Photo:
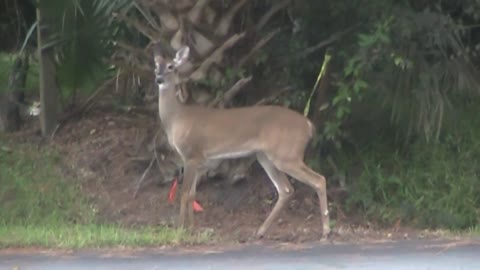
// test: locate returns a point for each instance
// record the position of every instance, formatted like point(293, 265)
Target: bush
point(431, 185)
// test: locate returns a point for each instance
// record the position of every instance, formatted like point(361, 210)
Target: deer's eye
point(170, 67)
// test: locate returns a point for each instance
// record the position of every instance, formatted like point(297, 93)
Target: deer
point(204, 136)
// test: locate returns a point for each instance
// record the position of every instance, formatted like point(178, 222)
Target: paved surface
point(419, 255)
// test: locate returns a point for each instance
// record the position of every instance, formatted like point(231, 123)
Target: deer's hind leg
point(283, 187)
point(300, 171)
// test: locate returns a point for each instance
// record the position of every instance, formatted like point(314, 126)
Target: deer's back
point(241, 131)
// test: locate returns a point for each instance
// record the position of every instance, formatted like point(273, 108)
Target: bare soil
point(106, 151)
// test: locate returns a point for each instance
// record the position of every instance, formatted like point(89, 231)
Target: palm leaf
point(82, 31)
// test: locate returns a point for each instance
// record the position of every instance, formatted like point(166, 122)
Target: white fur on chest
point(175, 136)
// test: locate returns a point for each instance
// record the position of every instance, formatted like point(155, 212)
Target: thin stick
point(328, 56)
point(155, 151)
point(273, 96)
point(140, 181)
point(155, 157)
point(54, 132)
point(273, 10)
point(216, 56)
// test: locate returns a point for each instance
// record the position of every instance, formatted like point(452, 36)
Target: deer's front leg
point(189, 187)
point(187, 180)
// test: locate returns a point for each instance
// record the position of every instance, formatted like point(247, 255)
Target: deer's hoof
point(326, 231)
point(259, 235)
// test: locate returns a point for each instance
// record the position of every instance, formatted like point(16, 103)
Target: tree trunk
point(48, 86)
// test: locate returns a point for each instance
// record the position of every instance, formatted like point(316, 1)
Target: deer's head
point(166, 69)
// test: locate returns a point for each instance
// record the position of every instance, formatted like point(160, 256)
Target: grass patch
point(42, 208)
point(475, 231)
point(34, 190)
point(93, 236)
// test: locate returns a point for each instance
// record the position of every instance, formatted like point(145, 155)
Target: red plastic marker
point(171, 197)
point(197, 207)
point(173, 191)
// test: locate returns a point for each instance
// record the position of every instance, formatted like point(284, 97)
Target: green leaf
point(365, 40)
point(30, 33)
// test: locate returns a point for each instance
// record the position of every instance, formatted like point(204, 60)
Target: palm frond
point(440, 68)
point(82, 34)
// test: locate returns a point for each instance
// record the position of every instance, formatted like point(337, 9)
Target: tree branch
point(262, 42)
point(164, 14)
point(273, 96)
point(226, 21)
point(155, 157)
point(140, 181)
point(230, 93)
point(142, 28)
point(215, 57)
point(274, 9)
point(326, 42)
point(196, 11)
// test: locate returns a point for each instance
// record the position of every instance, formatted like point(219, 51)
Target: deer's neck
point(169, 107)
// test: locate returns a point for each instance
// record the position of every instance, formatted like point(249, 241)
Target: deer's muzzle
point(159, 79)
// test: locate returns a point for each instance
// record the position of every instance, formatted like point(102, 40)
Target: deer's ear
point(182, 56)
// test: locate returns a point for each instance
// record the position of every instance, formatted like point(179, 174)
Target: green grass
point(42, 208)
point(34, 190)
point(93, 236)
point(475, 231)
point(432, 190)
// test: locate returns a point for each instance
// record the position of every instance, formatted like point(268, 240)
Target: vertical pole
point(48, 86)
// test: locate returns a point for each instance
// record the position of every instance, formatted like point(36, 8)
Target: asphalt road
point(421, 255)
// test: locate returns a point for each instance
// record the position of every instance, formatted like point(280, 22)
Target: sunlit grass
point(93, 236)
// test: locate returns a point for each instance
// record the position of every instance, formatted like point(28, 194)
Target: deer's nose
point(159, 80)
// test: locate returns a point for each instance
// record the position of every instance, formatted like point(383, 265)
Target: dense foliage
point(403, 107)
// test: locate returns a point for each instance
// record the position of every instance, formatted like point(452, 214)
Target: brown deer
point(204, 136)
